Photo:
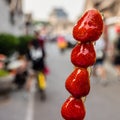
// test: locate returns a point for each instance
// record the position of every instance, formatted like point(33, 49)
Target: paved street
point(102, 103)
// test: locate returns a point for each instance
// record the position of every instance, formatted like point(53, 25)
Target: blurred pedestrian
point(116, 51)
point(99, 69)
point(36, 52)
point(42, 38)
point(36, 55)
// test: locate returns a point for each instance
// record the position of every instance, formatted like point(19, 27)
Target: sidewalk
point(111, 72)
point(111, 76)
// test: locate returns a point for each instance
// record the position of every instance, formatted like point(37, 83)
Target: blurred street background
point(19, 20)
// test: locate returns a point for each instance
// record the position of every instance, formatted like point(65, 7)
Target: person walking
point(116, 52)
point(99, 69)
point(36, 56)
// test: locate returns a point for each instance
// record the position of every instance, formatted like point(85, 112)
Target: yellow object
point(61, 42)
point(62, 45)
point(41, 81)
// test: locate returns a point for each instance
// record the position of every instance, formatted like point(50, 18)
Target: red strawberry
point(78, 83)
point(83, 55)
point(89, 27)
point(73, 109)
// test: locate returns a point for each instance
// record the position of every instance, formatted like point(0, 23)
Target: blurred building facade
point(58, 18)
point(58, 14)
point(12, 19)
point(111, 12)
point(110, 9)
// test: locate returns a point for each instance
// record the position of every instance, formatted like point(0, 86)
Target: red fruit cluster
point(87, 30)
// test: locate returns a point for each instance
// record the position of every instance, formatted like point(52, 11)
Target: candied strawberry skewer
point(83, 55)
point(89, 27)
point(87, 30)
point(78, 83)
point(73, 109)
